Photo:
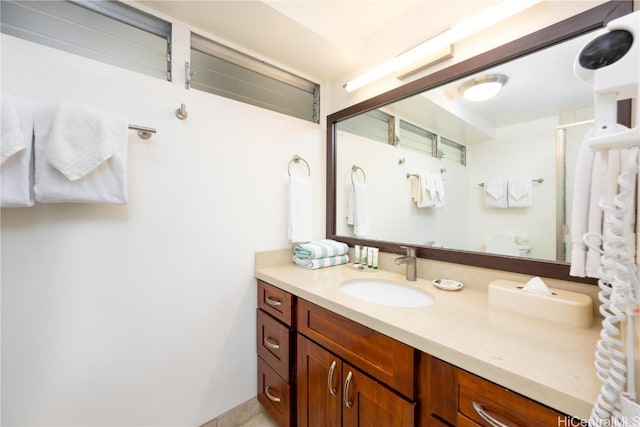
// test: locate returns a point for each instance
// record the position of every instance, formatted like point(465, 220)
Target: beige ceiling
point(324, 39)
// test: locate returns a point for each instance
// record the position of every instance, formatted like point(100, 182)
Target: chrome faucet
point(410, 260)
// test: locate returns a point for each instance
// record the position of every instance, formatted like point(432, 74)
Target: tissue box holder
point(570, 308)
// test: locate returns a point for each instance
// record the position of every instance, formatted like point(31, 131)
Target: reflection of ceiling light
point(483, 87)
point(489, 17)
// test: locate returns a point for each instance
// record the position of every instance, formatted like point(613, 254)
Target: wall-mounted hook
point(401, 160)
point(181, 112)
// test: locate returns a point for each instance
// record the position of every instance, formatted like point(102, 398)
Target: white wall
point(144, 314)
point(393, 214)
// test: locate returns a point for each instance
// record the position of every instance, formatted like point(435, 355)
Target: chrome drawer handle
point(270, 344)
point(347, 384)
point(273, 302)
point(271, 396)
point(485, 416)
point(332, 390)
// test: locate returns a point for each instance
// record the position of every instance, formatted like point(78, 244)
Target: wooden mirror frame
point(577, 25)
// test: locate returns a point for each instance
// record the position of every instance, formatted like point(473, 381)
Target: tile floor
point(260, 420)
point(248, 414)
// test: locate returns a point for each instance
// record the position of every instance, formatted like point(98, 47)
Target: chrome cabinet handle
point(272, 302)
point(485, 416)
point(271, 396)
point(347, 384)
point(267, 341)
point(332, 369)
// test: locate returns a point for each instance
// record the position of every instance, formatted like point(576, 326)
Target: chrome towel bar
point(143, 132)
point(538, 180)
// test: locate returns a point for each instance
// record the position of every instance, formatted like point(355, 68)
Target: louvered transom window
point(374, 125)
point(106, 31)
point(223, 71)
point(417, 138)
point(452, 151)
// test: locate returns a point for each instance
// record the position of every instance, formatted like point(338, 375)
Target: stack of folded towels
point(320, 253)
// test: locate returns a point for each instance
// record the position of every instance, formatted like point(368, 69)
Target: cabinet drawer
point(274, 394)
point(479, 399)
point(384, 358)
point(274, 343)
point(276, 302)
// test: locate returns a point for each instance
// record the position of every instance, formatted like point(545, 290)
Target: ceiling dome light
point(483, 87)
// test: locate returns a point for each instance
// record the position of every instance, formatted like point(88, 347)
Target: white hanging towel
point(495, 194)
point(16, 173)
point(427, 190)
point(587, 184)
point(358, 208)
point(519, 193)
point(81, 155)
point(586, 215)
point(300, 209)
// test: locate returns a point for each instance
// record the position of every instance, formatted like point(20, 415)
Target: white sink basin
point(386, 292)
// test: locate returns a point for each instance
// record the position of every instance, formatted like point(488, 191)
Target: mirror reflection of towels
point(495, 194)
point(520, 193)
point(427, 190)
point(358, 208)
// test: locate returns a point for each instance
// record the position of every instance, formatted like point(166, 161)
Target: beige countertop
point(546, 361)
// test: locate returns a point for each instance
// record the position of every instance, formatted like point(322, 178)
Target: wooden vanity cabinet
point(339, 376)
point(275, 346)
point(318, 368)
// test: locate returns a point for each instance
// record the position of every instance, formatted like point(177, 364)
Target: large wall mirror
point(517, 150)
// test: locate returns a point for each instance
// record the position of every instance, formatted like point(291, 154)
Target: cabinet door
point(369, 404)
point(443, 397)
point(318, 377)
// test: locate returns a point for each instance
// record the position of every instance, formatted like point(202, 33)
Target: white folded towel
point(495, 194)
point(16, 173)
point(13, 139)
point(81, 155)
point(300, 209)
point(519, 193)
point(358, 208)
point(80, 140)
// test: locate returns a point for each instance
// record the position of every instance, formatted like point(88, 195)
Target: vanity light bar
point(484, 20)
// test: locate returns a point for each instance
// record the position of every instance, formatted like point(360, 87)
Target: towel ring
point(355, 169)
point(296, 159)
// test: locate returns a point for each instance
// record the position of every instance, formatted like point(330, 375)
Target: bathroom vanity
point(326, 358)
